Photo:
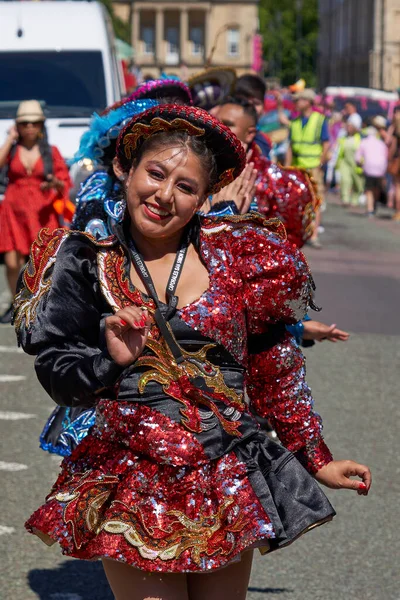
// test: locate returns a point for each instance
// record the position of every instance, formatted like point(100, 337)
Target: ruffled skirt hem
point(110, 502)
point(264, 546)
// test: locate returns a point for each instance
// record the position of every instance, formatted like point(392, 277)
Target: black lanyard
point(172, 284)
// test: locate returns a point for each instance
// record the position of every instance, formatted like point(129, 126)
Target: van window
point(71, 83)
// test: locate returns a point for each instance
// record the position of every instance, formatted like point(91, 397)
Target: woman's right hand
point(126, 334)
point(337, 475)
point(13, 134)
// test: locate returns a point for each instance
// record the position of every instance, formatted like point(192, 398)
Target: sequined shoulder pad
point(254, 253)
point(214, 225)
point(36, 279)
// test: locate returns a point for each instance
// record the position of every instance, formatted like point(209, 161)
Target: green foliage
point(279, 24)
point(122, 29)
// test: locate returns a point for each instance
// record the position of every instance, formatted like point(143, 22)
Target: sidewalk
point(383, 218)
point(357, 270)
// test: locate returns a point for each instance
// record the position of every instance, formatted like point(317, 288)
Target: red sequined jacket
point(288, 194)
point(257, 282)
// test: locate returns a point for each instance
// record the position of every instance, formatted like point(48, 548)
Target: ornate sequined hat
point(227, 149)
point(159, 88)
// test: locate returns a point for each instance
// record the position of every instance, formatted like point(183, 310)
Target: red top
point(26, 208)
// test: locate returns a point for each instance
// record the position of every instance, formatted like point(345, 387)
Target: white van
point(61, 53)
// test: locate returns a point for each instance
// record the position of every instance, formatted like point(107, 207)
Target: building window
point(172, 36)
point(197, 40)
point(233, 42)
point(148, 40)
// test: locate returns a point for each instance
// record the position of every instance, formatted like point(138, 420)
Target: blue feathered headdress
point(104, 129)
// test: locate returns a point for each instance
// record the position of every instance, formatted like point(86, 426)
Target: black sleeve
point(58, 318)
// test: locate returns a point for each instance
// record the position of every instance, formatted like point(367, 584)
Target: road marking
point(5, 299)
point(11, 349)
point(4, 529)
point(61, 596)
point(10, 466)
point(9, 378)
point(7, 415)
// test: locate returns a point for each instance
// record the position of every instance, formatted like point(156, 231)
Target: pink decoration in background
point(257, 53)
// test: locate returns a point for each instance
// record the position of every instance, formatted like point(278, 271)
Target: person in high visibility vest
point(351, 174)
point(309, 145)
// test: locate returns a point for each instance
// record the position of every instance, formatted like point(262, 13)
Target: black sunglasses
point(26, 123)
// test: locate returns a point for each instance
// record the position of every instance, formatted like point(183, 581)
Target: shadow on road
point(72, 580)
point(268, 590)
point(83, 580)
point(387, 217)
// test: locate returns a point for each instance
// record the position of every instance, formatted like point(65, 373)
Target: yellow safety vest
point(306, 141)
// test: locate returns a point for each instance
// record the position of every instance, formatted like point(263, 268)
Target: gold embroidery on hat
point(157, 124)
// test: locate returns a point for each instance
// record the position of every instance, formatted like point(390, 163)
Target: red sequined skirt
point(140, 489)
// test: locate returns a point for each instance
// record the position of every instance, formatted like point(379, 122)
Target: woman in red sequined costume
point(284, 193)
point(176, 478)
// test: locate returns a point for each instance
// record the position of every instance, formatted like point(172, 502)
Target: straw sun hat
point(31, 111)
point(306, 94)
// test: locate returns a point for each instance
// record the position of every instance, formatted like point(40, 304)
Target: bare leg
point(397, 198)
point(370, 201)
point(377, 193)
point(318, 177)
point(14, 262)
point(128, 583)
point(231, 582)
point(317, 224)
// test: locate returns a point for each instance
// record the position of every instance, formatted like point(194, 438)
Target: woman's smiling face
point(164, 190)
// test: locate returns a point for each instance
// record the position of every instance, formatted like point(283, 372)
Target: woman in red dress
point(37, 174)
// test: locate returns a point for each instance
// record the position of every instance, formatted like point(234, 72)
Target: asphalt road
point(356, 389)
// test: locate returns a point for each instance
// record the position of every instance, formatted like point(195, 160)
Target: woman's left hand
point(336, 475)
point(241, 191)
point(52, 183)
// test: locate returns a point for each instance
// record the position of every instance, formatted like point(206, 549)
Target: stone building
point(178, 36)
point(359, 43)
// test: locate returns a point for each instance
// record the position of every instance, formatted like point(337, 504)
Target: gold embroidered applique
point(179, 381)
point(36, 278)
point(200, 412)
point(183, 533)
point(83, 502)
point(35, 284)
